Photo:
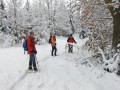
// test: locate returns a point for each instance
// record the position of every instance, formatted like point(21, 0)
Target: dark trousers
point(70, 48)
point(32, 60)
point(82, 36)
point(54, 50)
point(118, 49)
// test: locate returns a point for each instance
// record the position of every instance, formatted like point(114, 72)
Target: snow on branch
point(111, 64)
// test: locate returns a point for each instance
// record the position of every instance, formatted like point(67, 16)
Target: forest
point(100, 19)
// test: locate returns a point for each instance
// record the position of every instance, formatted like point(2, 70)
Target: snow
point(56, 73)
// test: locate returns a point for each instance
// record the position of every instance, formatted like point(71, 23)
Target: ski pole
point(37, 63)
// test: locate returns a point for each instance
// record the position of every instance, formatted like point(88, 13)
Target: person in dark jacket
point(82, 34)
point(31, 51)
point(70, 41)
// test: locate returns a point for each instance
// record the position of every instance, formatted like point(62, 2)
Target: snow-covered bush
point(111, 64)
point(1, 37)
point(40, 39)
point(9, 41)
point(98, 59)
point(93, 56)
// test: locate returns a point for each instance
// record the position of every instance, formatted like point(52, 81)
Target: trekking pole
point(66, 47)
point(37, 63)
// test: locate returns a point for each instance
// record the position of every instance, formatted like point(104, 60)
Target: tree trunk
point(116, 23)
point(116, 30)
point(72, 26)
point(71, 18)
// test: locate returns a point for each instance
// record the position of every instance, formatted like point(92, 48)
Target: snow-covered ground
point(56, 73)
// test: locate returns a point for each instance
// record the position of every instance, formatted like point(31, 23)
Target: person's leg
point(34, 61)
point(55, 51)
point(69, 48)
point(30, 62)
point(83, 36)
point(52, 50)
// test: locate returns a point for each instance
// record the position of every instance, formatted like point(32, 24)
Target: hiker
point(53, 44)
point(31, 51)
point(24, 42)
point(82, 34)
point(70, 40)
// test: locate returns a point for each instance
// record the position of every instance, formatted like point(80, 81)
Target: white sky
point(30, 0)
point(24, 0)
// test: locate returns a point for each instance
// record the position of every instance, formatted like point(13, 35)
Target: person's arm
point(34, 44)
point(68, 40)
point(74, 40)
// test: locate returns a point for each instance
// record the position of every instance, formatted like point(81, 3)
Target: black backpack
point(50, 39)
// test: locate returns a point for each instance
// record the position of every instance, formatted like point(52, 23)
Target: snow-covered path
point(56, 73)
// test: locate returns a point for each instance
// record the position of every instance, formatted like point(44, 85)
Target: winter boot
point(35, 69)
point(30, 68)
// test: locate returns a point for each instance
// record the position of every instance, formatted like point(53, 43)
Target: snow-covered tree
point(3, 18)
point(27, 15)
point(13, 12)
point(52, 16)
point(62, 23)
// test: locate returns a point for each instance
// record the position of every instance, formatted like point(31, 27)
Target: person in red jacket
point(70, 40)
point(31, 51)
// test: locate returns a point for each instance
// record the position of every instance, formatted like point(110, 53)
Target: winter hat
point(70, 34)
point(31, 33)
point(53, 35)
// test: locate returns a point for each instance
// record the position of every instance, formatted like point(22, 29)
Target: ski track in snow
point(56, 73)
point(18, 81)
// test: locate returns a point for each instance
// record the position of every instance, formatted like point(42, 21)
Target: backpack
point(25, 45)
point(50, 39)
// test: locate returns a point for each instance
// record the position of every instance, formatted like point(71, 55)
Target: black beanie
point(31, 33)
